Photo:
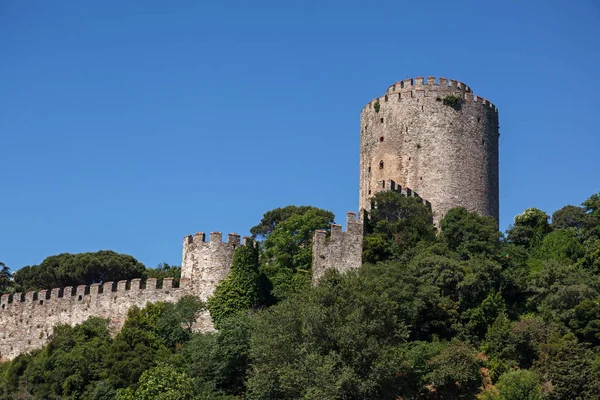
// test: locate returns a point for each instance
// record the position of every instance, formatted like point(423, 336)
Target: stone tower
point(206, 263)
point(435, 138)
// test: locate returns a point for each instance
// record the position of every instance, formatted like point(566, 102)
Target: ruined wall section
point(27, 320)
point(341, 251)
point(446, 153)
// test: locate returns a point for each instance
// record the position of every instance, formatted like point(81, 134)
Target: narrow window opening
point(383, 184)
point(409, 158)
point(399, 97)
point(381, 139)
point(381, 164)
point(478, 119)
point(369, 191)
point(41, 302)
point(421, 108)
point(381, 120)
point(421, 178)
point(369, 169)
point(80, 298)
point(407, 129)
point(482, 142)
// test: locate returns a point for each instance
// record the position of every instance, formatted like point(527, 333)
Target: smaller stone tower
point(343, 251)
point(205, 264)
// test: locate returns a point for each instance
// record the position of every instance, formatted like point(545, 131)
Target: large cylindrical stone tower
point(436, 138)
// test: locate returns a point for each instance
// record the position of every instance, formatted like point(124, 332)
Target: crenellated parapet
point(390, 185)
point(341, 250)
point(431, 87)
point(73, 294)
point(28, 319)
point(206, 263)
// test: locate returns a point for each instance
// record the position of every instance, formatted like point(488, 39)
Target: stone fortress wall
point(341, 251)
point(448, 154)
point(27, 320)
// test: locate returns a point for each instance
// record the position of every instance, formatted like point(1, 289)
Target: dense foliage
point(81, 269)
point(287, 256)
point(78, 269)
point(462, 314)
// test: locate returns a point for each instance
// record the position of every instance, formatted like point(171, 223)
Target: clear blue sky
point(127, 125)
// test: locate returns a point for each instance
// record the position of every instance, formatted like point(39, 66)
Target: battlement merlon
point(353, 225)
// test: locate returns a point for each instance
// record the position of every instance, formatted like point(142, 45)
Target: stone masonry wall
point(343, 251)
point(449, 155)
point(205, 264)
point(27, 320)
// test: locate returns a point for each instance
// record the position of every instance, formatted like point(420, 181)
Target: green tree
point(520, 384)
point(67, 368)
point(160, 383)
point(6, 282)
point(586, 321)
point(135, 347)
point(218, 361)
point(395, 223)
point(274, 217)
point(456, 372)
point(561, 245)
point(287, 257)
point(334, 341)
point(79, 269)
point(592, 205)
point(569, 217)
point(516, 344)
point(164, 270)
point(245, 288)
point(469, 233)
point(557, 288)
point(176, 321)
point(570, 368)
point(529, 228)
